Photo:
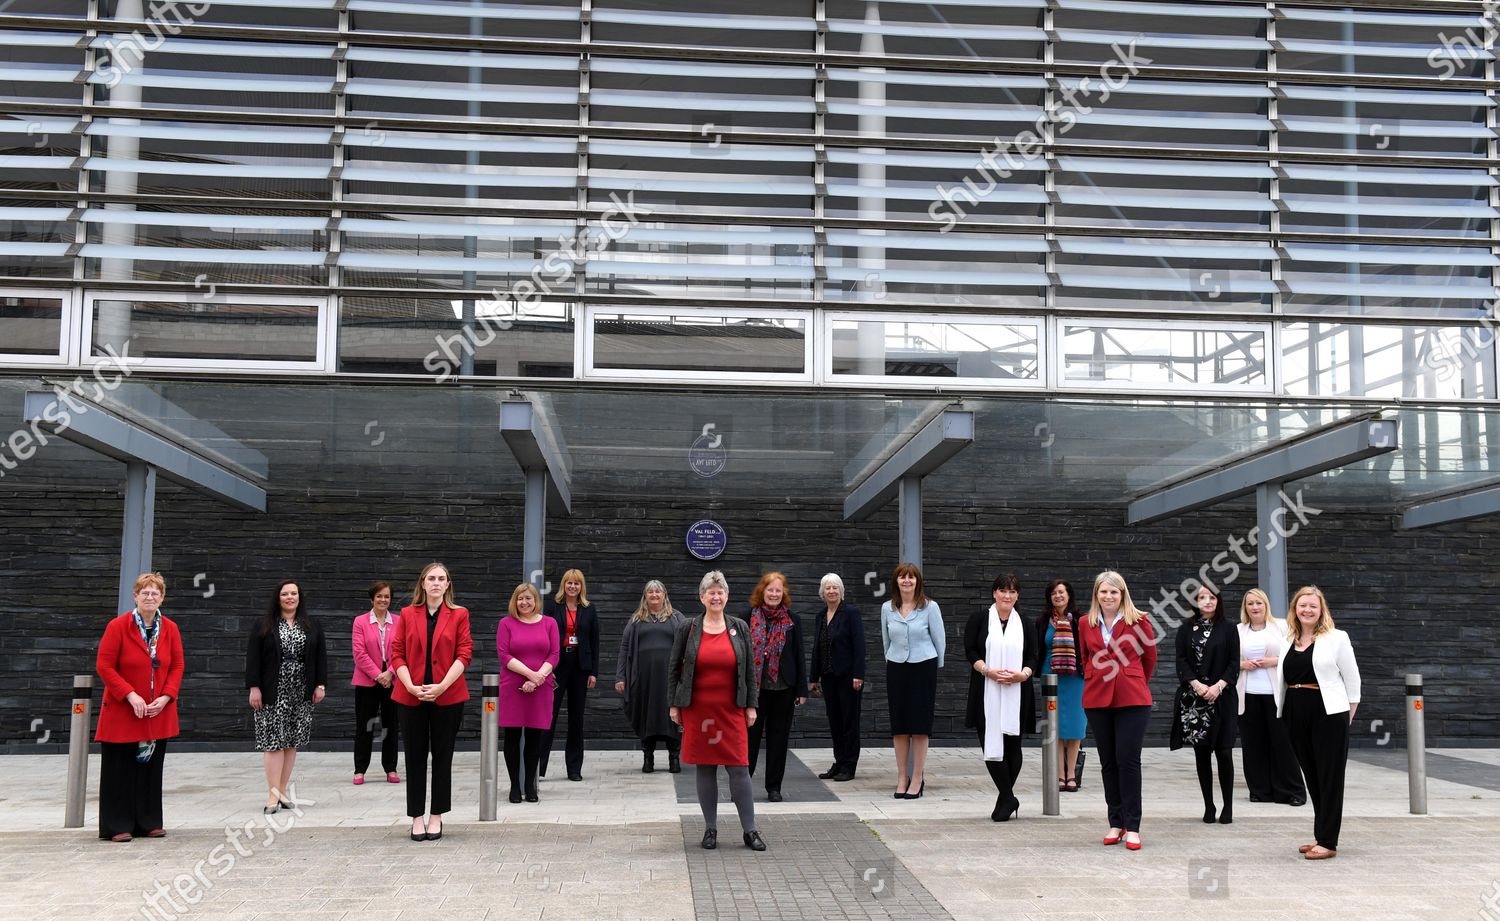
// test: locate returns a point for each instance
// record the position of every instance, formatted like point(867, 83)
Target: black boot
point(674, 762)
point(649, 764)
point(531, 796)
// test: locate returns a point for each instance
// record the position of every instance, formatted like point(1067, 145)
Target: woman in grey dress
point(641, 674)
point(286, 670)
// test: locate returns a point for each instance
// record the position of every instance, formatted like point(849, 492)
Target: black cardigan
point(848, 639)
point(1221, 662)
point(976, 631)
point(588, 633)
point(263, 661)
point(793, 663)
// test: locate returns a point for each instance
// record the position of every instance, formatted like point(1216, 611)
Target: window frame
point(828, 377)
point(591, 312)
point(67, 354)
point(1061, 384)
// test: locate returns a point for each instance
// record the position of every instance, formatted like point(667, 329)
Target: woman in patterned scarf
point(776, 647)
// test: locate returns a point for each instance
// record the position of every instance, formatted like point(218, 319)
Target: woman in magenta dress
point(527, 644)
point(713, 689)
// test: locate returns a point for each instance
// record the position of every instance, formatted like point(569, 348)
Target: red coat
point(124, 665)
point(451, 642)
point(1117, 674)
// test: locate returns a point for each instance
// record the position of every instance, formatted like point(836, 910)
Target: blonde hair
point(150, 578)
point(1257, 593)
point(583, 587)
point(525, 588)
point(643, 610)
point(419, 595)
point(1132, 614)
point(1325, 616)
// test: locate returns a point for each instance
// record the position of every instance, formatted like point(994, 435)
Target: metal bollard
point(489, 748)
point(78, 750)
point(1416, 746)
point(1051, 804)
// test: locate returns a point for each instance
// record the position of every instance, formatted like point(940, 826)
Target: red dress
point(713, 728)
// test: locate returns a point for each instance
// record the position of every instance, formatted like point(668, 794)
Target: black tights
point(514, 757)
point(1205, 757)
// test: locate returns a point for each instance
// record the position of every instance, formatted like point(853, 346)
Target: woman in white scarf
point(1004, 653)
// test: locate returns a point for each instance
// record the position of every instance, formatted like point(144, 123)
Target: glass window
point(667, 343)
point(693, 260)
point(709, 98)
point(40, 67)
point(707, 177)
point(555, 19)
point(212, 331)
point(298, 14)
point(948, 189)
point(1164, 274)
point(204, 161)
point(1164, 194)
point(432, 169)
point(1407, 362)
point(1217, 36)
point(463, 86)
point(939, 268)
point(403, 250)
point(1159, 357)
point(773, 24)
point(970, 350)
point(428, 336)
point(31, 324)
point(181, 73)
point(877, 103)
point(34, 239)
point(1000, 29)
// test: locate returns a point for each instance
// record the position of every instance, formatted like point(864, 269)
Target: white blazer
point(1336, 671)
point(1275, 634)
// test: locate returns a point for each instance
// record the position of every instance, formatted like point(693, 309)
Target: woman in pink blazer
point(374, 676)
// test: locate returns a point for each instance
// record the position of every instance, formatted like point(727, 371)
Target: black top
point(793, 666)
point(432, 619)
point(263, 661)
point(1299, 666)
point(586, 629)
point(976, 633)
point(1207, 651)
point(838, 646)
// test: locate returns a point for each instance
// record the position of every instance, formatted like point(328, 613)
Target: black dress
point(1207, 651)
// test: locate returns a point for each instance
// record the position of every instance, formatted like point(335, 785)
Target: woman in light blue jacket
point(911, 630)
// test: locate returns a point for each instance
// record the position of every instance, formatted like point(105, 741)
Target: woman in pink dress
point(528, 647)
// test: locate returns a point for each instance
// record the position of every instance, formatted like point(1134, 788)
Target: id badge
point(573, 640)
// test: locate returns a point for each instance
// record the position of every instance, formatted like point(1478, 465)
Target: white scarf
point(1004, 645)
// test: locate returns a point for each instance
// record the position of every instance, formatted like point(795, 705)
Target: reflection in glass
point(30, 325)
point(222, 328)
point(1160, 357)
point(930, 347)
point(698, 343)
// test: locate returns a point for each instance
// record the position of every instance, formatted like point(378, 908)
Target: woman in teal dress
point(1058, 629)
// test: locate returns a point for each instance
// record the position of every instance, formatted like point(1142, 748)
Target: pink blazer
point(367, 651)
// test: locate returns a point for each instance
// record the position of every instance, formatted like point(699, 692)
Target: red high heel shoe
point(1113, 838)
point(1133, 845)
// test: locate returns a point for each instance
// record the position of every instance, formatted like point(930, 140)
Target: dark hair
point(919, 592)
point(377, 588)
point(1006, 581)
point(1071, 609)
point(1218, 604)
point(273, 610)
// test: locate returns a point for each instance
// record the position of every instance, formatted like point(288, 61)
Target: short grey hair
point(831, 579)
point(710, 579)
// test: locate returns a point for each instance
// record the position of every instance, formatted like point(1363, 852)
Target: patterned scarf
point(768, 631)
point(1064, 659)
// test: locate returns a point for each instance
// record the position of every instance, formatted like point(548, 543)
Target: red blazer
point(450, 642)
point(1117, 674)
point(124, 665)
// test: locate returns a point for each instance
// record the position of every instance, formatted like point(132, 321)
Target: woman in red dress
point(713, 689)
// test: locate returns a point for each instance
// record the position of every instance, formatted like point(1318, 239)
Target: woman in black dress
point(641, 674)
point(1208, 667)
point(286, 670)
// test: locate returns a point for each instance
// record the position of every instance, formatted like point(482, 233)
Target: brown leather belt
point(1310, 686)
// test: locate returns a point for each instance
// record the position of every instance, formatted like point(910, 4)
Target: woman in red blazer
point(1117, 654)
point(140, 663)
point(430, 652)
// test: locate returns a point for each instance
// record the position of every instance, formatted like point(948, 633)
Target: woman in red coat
point(432, 648)
point(140, 663)
point(1117, 652)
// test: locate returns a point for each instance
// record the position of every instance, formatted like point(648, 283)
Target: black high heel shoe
point(1006, 812)
point(1210, 815)
point(422, 836)
point(920, 787)
point(515, 794)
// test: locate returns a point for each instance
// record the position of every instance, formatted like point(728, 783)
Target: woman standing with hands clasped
point(712, 683)
point(1270, 764)
point(781, 671)
point(1003, 653)
point(1317, 692)
point(641, 675)
point(911, 630)
point(140, 663)
point(1208, 668)
point(432, 648)
point(528, 647)
point(286, 670)
point(1058, 629)
point(838, 672)
point(373, 680)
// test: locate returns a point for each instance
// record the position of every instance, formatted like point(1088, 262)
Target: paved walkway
point(622, 845)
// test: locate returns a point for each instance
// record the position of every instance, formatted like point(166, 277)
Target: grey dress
point(645, 648)
point(288, 722)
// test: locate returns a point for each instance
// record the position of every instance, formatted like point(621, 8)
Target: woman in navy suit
point(837, 672)
point(578, 670)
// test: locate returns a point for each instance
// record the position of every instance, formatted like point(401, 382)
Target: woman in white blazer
point(1270, 764)
point(1317, 692)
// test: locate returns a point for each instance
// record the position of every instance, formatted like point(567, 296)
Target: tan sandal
point(1320, 853)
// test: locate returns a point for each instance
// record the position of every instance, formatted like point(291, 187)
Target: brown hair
point(758, 594)
point(379, 587)
point(919, 593)
point(419, 597)
point(150, 578)
point(525, 588)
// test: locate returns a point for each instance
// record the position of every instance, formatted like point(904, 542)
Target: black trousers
point(368, 704)
point(519, 756)
point(773, 719)
point(1004, 773)
point(572, 684)
point(843, 705)
point(129, 792)
point(1321, 741)
point(1119, 733)
point(1270, 764)
point(430, 728)
point(672, 744)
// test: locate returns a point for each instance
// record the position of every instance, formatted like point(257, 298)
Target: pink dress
point(533, 644)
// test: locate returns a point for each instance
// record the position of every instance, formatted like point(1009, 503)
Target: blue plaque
point(706, 455)
point(706, 539)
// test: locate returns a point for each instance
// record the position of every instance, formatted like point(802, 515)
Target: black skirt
point(911, 696)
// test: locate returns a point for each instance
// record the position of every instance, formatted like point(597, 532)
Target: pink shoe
point(392, 777)
point(359, 779)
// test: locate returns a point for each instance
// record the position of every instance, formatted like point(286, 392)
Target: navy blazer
point(588, 634)
point(847, 635)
